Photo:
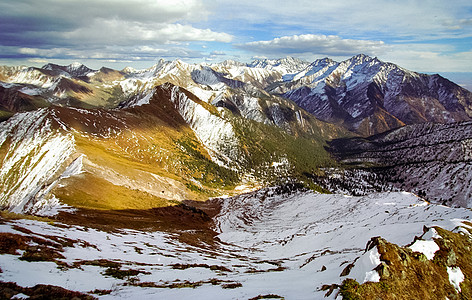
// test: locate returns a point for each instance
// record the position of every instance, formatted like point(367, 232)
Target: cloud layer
point(315, 44)
point(101, 28)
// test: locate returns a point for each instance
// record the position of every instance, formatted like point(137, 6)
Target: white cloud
point(457, 24)
point(30, 51)
point(217, 53)
point(139, 30)
point(119, 32)
point(38, 61)
point(259, 57)
point(79, 12)
point(315, 44)
point(53, 52)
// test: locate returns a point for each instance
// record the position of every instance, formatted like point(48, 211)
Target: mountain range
point(272, 155)
point(202, 129)
point(365, 94)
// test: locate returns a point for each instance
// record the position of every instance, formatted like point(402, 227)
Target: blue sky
point(431, 36)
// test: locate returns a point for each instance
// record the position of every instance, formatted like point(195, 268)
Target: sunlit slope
point(135, 158)
point(172, 148)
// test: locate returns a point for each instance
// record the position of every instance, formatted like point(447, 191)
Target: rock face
point(370, 96)
point(443, 258)
point(12, 100)
point(35, 153)
point(432, 160)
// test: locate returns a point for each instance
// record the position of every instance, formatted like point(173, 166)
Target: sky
point(431, 36)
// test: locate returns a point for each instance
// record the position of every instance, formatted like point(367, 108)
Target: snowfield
point(268, 242)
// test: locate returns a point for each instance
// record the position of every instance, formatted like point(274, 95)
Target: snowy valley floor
point(268, 242)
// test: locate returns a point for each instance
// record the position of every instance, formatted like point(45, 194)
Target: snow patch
point(267, 238)
point(455, 277)
point(144, 100)
point(428, 248)
point(363, 270)
point(20, 296)
point(50, 207)
point(47, 204)
point(75, 168)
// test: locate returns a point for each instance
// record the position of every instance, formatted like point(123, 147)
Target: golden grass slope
point(138, 158)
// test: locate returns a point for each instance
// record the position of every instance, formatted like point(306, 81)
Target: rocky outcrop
point(406, 273)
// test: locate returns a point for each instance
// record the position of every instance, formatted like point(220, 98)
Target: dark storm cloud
point(98, 25)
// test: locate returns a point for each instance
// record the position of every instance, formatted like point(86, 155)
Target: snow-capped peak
point(323, 61)
point(129, 70)
point(75, 65)
point(231, 63)
point(73, 70)
point(77, 69)
point(287, 64)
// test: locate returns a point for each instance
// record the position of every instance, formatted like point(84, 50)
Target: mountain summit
point(370, 96)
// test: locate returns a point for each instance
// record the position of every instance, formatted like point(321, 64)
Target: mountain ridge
point(243, 121)
point(175, 144)
point(364, 94)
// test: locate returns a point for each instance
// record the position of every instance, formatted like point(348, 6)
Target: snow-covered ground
point(269, 243)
